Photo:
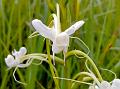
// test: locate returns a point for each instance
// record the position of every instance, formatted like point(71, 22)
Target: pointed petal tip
point(82, 22)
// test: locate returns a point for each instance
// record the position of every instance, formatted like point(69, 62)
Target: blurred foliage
point(101, 33)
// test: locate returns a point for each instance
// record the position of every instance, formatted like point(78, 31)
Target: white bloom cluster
point(15, 59)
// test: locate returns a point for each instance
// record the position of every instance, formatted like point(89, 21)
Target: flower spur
point(60, 39)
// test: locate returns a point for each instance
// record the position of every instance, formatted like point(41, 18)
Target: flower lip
point(62, 39)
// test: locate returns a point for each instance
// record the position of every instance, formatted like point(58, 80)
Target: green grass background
point(101, 32)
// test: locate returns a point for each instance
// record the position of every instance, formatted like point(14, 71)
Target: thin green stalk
point(77, 52)
point(50, 64)
point(88, 74)
point(4, 81)
point(100, 40)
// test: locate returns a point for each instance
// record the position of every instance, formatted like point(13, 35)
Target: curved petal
point(74, 27)
point(43, 29)
point(55, 21)
point(105, 85)
point(56, 24)
point(9, 61)
point(116, 84)
point(22, 51)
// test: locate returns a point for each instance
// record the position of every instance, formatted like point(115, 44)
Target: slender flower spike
point(60, 39)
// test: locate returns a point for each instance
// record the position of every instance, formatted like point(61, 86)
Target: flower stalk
point(50, 64)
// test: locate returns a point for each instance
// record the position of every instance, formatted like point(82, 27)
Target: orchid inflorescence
point(60, 42)
point(16, 58)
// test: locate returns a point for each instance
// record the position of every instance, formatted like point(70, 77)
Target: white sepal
point(22, 51)
point(115, 84)
point(55, 23)
point(74, 27)
point(9, 61)
point(43, 29)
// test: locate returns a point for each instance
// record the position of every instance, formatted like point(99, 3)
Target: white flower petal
point(74, 27)
point(105, 85)
point(55, 22)
point(9, 60)
point(22, 51)
point(115, 84)
point(43, 29)
point(15, 53)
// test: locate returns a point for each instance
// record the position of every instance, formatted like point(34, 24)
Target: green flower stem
point(77, 52)
point(88, 74)
point(4, 81)
point(50, 64)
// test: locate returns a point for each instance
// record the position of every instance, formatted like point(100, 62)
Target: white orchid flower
point(18, 57)
point(60, 39)
point(15, 60)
